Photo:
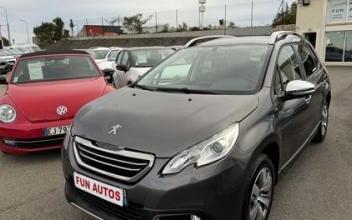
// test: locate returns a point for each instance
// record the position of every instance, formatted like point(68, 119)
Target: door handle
point(309, 99)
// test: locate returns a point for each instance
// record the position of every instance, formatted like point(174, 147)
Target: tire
point(323, 127)
point(259, 196)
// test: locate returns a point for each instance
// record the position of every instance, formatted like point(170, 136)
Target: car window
point(54, 68)
point(310, 62)
point(288, 65)
point(216, 69)
point(112, 55)
point(119, 58)
point(149, 57)
point(125, 60)
point(176, 71)
point(277, 83)
point(100, 54)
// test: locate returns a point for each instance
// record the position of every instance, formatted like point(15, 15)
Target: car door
point(292, 115)
point(316, 75)
point(120, 77)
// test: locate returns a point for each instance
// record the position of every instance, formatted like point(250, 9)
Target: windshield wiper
point(143, 87)
point(184, 90)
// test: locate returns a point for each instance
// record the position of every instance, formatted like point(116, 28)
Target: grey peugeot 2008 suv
point(202, 136)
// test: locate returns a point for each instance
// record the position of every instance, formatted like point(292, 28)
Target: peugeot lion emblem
point(61, 110)
point(115, 129)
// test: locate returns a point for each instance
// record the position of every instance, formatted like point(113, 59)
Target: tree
point(286, 16)
point(195, 28)
point(183, 27)
point(232, 24)
point(135, 23)
point(66, 34)
point(113, 20)
point(50, 32)
point(166, 28)
point(5, 41)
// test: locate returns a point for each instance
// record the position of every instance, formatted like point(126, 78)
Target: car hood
point(160, 123)
point(38, 102)
point(106, 65)
point(97, 61)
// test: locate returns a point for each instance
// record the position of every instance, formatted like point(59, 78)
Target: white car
point(6, 61)
point(105, 57)
point(133, 63)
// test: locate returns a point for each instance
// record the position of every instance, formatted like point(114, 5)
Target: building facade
point(327, 24)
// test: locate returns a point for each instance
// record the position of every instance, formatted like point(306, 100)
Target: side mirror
point(122, 68)
point(108, 74)
point(3, 80)
point(299, 88)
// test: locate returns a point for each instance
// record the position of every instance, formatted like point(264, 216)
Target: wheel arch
point(270, 147)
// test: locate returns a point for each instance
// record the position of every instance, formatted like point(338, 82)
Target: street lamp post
point(8, 26)
point(26, 23)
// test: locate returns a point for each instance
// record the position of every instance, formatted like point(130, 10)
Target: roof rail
point(198, 40)
point(279, 35)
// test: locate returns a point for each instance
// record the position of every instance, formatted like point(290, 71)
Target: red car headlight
point(7, 114)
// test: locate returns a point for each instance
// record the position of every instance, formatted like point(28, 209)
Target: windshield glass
point(215, 70)
point(100, 54)
point(54, 68)
point(149, 57)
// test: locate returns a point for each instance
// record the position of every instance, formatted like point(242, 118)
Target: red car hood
point(40, 101)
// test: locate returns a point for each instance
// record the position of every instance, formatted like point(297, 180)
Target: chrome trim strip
point(35, 141)
point(300, 149)
point(131, 154)
point(108, 164)
point(85, 211)
point(125, 153)
point(110, 158)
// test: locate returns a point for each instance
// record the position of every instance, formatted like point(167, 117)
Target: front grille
point(130, 212)
point(120, 164)
point(35, 143)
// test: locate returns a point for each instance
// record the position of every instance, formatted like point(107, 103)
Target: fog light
point(194, 217)
point(9, 142)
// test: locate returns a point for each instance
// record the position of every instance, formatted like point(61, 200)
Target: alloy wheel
point(261, 195)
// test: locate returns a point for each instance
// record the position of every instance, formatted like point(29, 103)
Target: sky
point(34, 12)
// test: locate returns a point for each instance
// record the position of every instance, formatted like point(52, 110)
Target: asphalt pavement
point(317, 186)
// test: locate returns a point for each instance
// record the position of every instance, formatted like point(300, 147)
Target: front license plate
point(57, 130)
point(104, 191)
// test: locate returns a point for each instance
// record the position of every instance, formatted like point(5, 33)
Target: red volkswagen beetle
point(44, 92)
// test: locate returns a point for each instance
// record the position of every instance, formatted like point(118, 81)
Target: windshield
point(100, 54)
point(149, 57)
point(54, 68)
point(215, 70)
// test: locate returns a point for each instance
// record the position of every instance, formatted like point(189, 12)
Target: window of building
point(350, 11)
point(338, 11)
point(335, 45)
point(348, 50)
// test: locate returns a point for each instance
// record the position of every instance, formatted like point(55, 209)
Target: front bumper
point(20, 138)
point(212, 192)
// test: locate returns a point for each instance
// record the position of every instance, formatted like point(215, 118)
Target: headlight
point(7, 114)
point(206, 152)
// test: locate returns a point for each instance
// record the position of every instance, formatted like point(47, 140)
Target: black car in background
point(202, 136)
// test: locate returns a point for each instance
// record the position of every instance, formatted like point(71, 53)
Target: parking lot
point(317, 186)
